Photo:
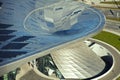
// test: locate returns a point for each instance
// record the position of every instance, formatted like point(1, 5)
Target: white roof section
point(77, 61)
point(100, 50)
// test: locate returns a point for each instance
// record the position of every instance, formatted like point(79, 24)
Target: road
point(116, 59)
point(113, 27)
point(111, 13)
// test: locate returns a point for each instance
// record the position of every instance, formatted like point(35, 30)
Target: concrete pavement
point(113, 27)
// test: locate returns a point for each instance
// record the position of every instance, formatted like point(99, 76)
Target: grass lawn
point(111, 2)
point(118, 78)
point(109, 38)
point(113, 18)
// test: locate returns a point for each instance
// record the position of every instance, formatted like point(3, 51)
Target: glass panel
point(2, 26)
point(15, 46)
point(6, 31)
point(9, 54)
point(23, 38)
point(5, 37)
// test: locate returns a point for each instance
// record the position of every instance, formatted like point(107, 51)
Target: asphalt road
point(116, 69)
point(110, 12)
point(113, 27)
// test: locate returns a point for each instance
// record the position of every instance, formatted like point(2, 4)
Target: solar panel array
point(11, 45)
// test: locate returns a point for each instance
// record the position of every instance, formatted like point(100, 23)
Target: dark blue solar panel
point(3, 26)
point(23, 38)
point(6, 31)
point(14, 46)
point(5, 37)
point(1, 4)
point(9, 54)
point(1, 61)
